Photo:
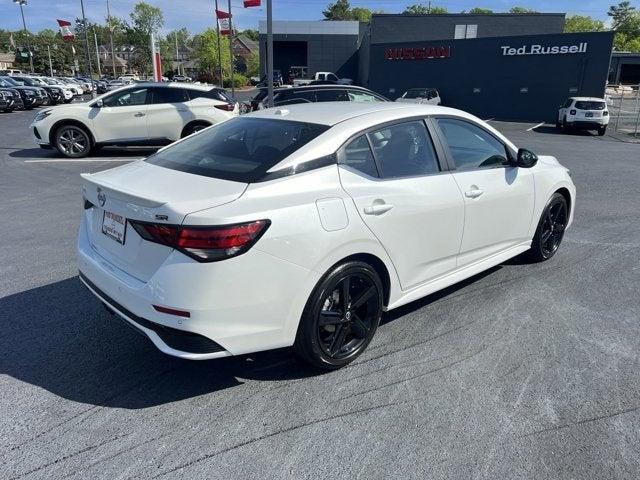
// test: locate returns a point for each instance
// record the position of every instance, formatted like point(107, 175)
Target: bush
point(238, 81)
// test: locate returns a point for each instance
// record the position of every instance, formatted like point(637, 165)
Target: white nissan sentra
point(302, 225)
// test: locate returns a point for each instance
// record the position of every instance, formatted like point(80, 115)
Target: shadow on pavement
point(552, 130)
point(106, 152)
point(60, 338)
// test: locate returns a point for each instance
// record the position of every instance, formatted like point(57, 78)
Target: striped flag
point(224, 22)
point(65, 30)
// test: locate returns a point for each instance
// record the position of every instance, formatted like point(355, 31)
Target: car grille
point(177, 339)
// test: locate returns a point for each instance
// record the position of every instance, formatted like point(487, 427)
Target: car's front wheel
point(341, 316)
point(550, 229)
point(193, 128)
point(72, 141)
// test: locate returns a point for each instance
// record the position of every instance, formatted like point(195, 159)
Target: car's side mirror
point(526, 158)
point(98, 104)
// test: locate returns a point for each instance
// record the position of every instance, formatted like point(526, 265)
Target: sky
point(197, 15)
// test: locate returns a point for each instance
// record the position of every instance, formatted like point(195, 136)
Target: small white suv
point(147, 114)
point(586, 113)
point(421, 96)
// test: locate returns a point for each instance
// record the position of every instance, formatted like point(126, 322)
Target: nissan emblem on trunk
point(102, 197)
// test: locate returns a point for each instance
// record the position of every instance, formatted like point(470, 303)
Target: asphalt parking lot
point(526, 371)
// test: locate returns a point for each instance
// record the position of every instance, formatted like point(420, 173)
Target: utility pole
point(26, 33)
point(233, 88)
point(113, 55)
point(219, 47)
point(269, 53)
point(95, 40)
point(86, 46)
point(50, 64)
point(177, 60)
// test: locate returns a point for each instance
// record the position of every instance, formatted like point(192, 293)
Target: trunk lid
point(149, 193)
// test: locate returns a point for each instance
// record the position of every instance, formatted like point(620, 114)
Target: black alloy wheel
point(550, 229)
point(194, 128)
point(341, 316)
point(73, 141)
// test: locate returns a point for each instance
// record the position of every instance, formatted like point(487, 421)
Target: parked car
point(75, 87)
point(13, 97)
point(300, 226)
point(31, 96)
point(324, 77)
point(5, 101)
point(315, 93)
point(11, 71)
point(68, 92)
point(115, 84)
point(181, 78)
point(152, 114)
point(277, 79)
point(585, 113)
point(54, 94)
point(420, 95)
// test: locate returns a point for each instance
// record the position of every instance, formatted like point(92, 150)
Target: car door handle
point(183, 109)
point(475, 192)
point(377, 209)
point(139, 114)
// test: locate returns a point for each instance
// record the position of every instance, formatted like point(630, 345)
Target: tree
point(481, 11)
point(340, 10)
point(580, 23)
point(521, 10)
point(419, 9)
point(620, 13)
point(146, 18)
point(252, 34)
point(206, 46)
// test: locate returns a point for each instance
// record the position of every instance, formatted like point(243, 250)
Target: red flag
point(65, 30)
point(221, 14)
point(225, 26)
point(251, 3)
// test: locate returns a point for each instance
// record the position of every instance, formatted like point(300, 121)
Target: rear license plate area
point(114, 226)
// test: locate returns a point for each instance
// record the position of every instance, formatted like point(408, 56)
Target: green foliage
point(252, 34)
point(238, 81)
point(580, 23)
point(253, 65)
point(480, 10)
point(521, 10)
point(206, 47)
point(146, 18)
point(341, 10)
point(420, 9)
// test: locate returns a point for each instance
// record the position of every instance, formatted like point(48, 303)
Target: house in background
point(122, 65)
point(243, 48)
point(7, 60)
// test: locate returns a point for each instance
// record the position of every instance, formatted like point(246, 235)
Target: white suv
point(151, 114)
point(586, 113)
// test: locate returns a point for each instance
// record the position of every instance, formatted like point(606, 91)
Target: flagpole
point(113, 56)
point(233, 88)
point(95, 40)
point(24, 25)
point(269, 54)
point(219, 47)
point(86, 45)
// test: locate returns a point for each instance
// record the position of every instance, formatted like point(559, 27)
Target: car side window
point(404, 150)
point(357, 154)
point(358, 96)
point(471, 146)
point(169, 95)
point(296, 97)
point(332, 96)
point(135, 96)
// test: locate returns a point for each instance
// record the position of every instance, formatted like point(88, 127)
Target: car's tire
point(72, 140)
point(341, 316)
point(565, 127)
point(193, 128)
point(550, 230)
point(558, 124)
point(602, 131)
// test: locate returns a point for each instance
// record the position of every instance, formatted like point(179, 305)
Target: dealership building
point(507, 66)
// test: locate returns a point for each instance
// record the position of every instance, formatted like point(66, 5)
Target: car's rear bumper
point(587, 124)
point(241, 305)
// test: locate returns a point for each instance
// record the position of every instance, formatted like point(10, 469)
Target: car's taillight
point(205, 244)
point(605, 113)
point(227, 107)
point(572, 112)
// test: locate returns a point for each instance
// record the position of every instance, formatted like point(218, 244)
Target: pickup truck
point(324, 77)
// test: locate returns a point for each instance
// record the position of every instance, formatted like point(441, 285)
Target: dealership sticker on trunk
point(114, 226)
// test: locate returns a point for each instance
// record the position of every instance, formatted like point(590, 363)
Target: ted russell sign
point(417, 53)
point(540, 50)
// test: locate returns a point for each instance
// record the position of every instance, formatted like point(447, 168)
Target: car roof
point(317, 86)
point(332, 113)
point(193, 86)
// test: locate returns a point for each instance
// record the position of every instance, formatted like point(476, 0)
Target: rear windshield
point(590, 105)
point(240, 149)
point(416, 93)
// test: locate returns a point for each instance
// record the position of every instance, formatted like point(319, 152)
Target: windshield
point(10, 81)
point(240, 149)
point(590, 105)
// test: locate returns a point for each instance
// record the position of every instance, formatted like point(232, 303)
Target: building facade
point(625, 68)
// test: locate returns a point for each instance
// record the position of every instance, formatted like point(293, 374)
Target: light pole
point(24, 25)
point(86, 46)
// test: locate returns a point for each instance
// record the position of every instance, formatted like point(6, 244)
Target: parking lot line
point(82, 160)
point(536, 126)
